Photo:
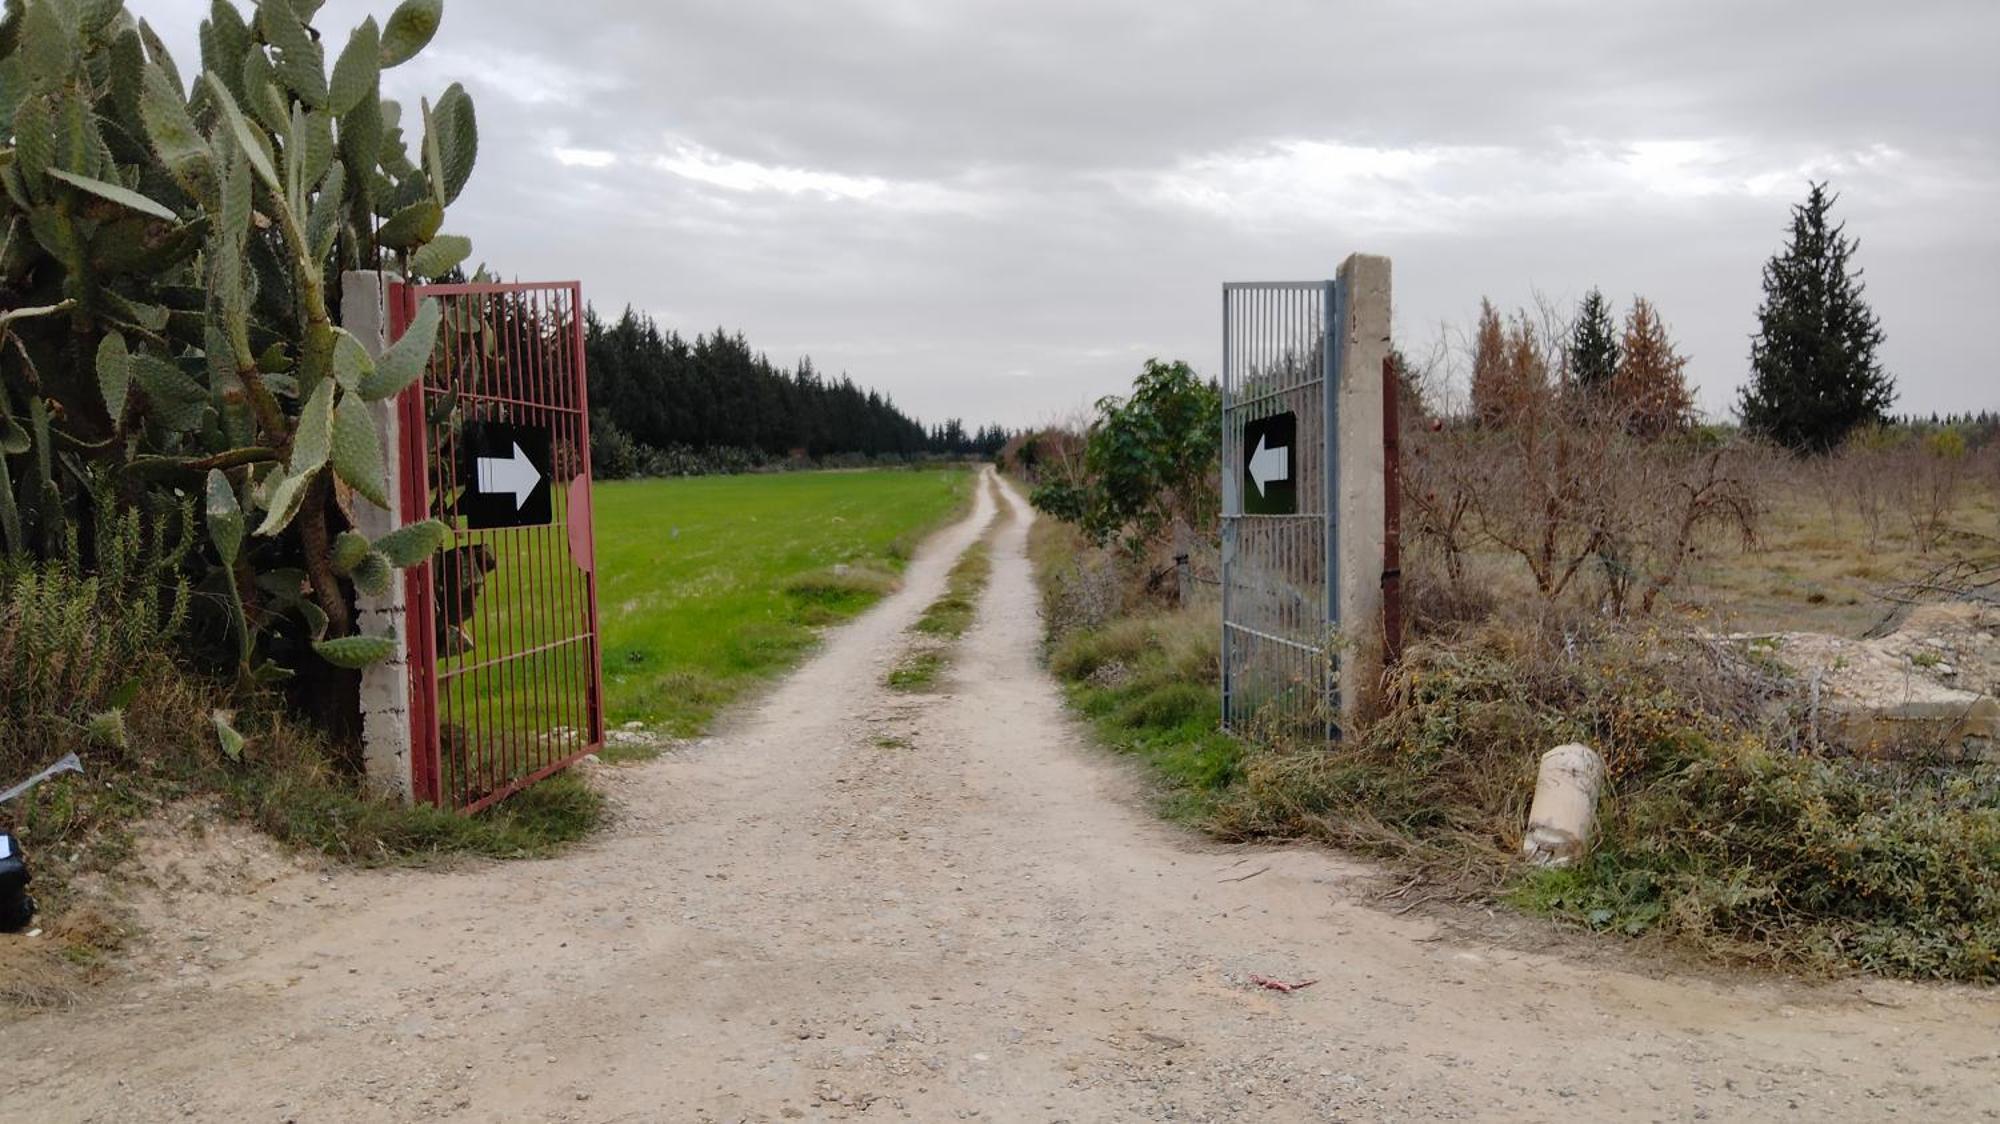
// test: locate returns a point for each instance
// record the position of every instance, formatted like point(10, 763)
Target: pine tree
point(1510, 376)
point(1593, 344)
point(1814, 375)
point(1489, 368)
point(1651, 380)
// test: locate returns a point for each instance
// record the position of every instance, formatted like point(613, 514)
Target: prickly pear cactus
point(171, 240)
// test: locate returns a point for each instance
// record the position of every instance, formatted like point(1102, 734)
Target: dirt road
point(860, 905)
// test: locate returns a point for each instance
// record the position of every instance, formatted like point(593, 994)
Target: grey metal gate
point(1280, 476)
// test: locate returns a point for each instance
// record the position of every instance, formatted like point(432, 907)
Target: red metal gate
point(506, 681)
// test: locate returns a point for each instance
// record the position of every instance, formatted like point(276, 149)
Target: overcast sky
point(996, 209)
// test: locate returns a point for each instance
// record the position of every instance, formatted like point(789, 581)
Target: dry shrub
point(1602, 491)
point(1084, 587)
point(1713, 831)
point(1051, 452)
point(1438, 598)
point(1657, 504)
point(1471, 713)
point(1439, 473)
point(1863, 474)
point(1988, 460)
point(1827, 477)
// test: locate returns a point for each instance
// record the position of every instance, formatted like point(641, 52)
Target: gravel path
point(859, 905)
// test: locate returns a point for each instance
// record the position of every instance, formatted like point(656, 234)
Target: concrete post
point(385, 686)
point(1362, 510)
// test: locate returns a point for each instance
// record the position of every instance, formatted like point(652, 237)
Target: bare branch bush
point(1865, 478)
point(1827, 477)
point(1659, 505)
point(1927, 474)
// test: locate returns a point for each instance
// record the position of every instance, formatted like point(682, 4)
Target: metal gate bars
point(506, 684)
point(1280, 477)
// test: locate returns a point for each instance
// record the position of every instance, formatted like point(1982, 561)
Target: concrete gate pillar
point(385, 685)
point(1362, 512)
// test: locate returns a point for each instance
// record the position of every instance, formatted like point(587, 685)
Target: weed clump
point(918, 671)
point(835, 592)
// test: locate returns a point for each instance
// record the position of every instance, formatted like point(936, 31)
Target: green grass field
point(707, 586)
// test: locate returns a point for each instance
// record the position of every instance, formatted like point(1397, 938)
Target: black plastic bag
point(16, 907)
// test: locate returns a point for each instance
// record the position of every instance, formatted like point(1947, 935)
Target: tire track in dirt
point(855, 904)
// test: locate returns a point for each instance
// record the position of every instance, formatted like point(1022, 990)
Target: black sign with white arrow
point(1270, 484)
point(506, 472)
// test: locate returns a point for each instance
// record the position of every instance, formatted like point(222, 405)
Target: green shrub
point(1891, 868)
point(1149, 460)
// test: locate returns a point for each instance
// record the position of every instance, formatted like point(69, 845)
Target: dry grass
point(1814, 569)
point(1715, 831)
point(54, 968)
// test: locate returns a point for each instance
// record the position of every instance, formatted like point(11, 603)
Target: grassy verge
point(1713, 834)
point(1145, 676)
point(709, 586)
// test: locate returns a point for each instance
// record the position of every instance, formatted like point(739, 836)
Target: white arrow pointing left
point(516, 474)
point(1268, 466)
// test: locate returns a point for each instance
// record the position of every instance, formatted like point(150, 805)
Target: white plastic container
point(1564, 815)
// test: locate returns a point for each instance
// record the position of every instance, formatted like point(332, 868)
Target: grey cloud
point(1019, 200)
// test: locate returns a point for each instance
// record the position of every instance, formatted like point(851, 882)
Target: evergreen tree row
point(665, 392)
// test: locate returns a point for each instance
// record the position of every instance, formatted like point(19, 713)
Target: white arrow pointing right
point(516, 474)
point(1268, 465)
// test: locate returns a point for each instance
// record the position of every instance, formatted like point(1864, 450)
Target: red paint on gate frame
point(486, 726)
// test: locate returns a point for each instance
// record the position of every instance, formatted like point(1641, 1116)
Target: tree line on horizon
point(719, 405)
